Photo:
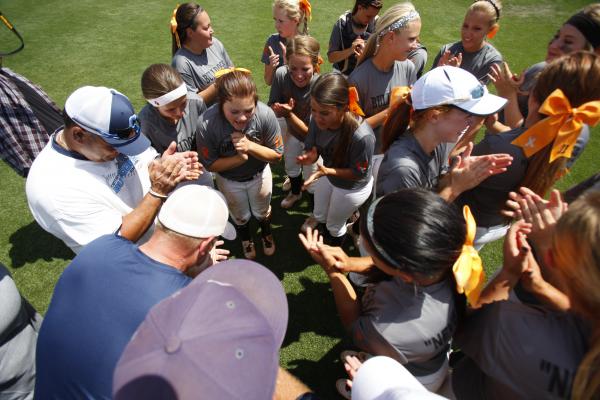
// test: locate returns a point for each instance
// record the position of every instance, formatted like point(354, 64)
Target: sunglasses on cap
point(117, 134)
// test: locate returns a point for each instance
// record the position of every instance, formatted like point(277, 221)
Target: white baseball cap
point(448, 85)
point(382, 378)
point(108, 114)
point(197, 211)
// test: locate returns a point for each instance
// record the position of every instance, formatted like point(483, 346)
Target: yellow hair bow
point(226, 71)
point(174, 27)
point(468, 269)
point(398, 95)
point(562, 126)
point(319, 63)
point(307, 8)
point(353, 105)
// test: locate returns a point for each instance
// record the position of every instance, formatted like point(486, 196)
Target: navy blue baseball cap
point(108, 114)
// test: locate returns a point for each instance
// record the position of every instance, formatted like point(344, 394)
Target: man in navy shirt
point(107, 290)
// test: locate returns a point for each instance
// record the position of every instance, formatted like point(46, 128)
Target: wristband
point(157, 195)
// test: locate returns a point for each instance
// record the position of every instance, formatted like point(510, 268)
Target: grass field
point(110, 42)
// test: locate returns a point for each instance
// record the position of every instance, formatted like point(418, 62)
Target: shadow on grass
point(31, 243)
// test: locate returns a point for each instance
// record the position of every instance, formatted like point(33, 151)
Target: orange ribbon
point(174, 27)
point(468, 269)
point(226, 71)
point(492, 33)
point(353, 105)
point(307, 8)
point(398, 95)
point(561, 127)
point(318, 66)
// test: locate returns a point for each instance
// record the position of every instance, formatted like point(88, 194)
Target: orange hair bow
point(319, 63)
point(353, 105)
point(398, 95)
point(226, 71)
point(306, 7)
point(174, 27)
point(468, 269)
point(492, 33)
point(561, 127)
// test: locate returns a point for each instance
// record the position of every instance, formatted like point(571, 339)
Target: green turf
point(110, 42)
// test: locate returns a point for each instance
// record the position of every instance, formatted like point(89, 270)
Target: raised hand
point(308, 157)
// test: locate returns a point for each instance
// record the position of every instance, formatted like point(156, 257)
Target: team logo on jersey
point(204, 152)
point(362, 166)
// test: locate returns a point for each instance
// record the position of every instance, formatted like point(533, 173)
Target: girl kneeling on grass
point(346, 146)
point(519, 351)
point(238, 138)
point(291, 19)
point(417, 239)
point(473, 53)
point(290, 99)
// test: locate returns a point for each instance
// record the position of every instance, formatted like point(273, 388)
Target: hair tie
point(226, 71)
point(319, 63)
point(353, 104)
point(468, 269)
point(305, 6)
point(174, 27)
point(169, 97)
point(561, 127)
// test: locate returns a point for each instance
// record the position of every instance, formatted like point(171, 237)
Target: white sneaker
point(310, 222)
point(249, 250)
point(290, 200)
point(287, 184)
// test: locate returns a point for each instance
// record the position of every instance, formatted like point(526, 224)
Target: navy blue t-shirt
point(98, 303)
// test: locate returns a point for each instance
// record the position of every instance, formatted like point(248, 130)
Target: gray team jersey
point(342, 37)
point(488, 198)
point(161, 132)
point(418, 57)
point(374, 87)
point(517, 351)
point(198, 70)
point(412, 324)
point(274, 41)
point(213, 138)
point(530, 78)
point(478, 63)
point(283, 89)
point(406, 165)
point(358, 156)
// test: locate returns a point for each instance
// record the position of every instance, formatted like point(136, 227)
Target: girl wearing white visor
point(425, 126)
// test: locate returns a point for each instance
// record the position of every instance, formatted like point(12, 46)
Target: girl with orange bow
point(237, 139)
point(474, 53)
point(197, 55)
point(423, 246)
point(565, 99)
point(290, 99)
point(291, 18)
point(345, 142)
point(580, 32)
point(518, 351)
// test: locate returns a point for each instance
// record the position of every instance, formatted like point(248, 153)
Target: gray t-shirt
point(412, 324)
point(19, 327)
point(275, 41)
point(283, 89)
point(374, 87)
point(488, 198)
point(341, 38)
point(418, 57)
point(518, 351)
point(405, 165)
point(530, 78)
point(358, 156)
point(198, 70)
point(161, 132)
point(213, 138)
point(478, 63)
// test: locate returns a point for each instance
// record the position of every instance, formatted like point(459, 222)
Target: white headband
point(400, 23)
point(169, 97)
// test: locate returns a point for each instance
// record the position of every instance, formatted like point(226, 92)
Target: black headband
point(495, 8)
point(588, 27)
